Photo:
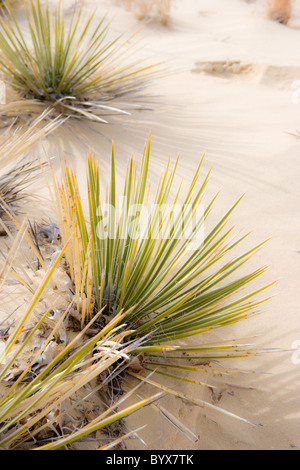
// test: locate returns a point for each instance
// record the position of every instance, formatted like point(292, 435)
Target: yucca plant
point(17, 172)
point(70, 65)
point(172, 282)
point(46, 402)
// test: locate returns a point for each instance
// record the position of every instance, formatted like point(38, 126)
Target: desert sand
point(231, 93)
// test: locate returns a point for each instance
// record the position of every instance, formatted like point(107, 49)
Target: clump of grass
point(71, 66)
point(148, 269)
point(144, 8)
point(279, 10)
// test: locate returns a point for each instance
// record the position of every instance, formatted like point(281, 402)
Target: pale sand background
point(242, 122)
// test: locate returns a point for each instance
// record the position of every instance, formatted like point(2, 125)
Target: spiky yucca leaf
point(72, 66)
point(15, 172)
point(42, 400)
point(16, 141)
point(171, 288)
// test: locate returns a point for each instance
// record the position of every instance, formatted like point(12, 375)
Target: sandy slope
point(231, 97)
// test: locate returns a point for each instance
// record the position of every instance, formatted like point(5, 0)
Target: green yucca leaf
point(196, 401)
point(71, 66)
